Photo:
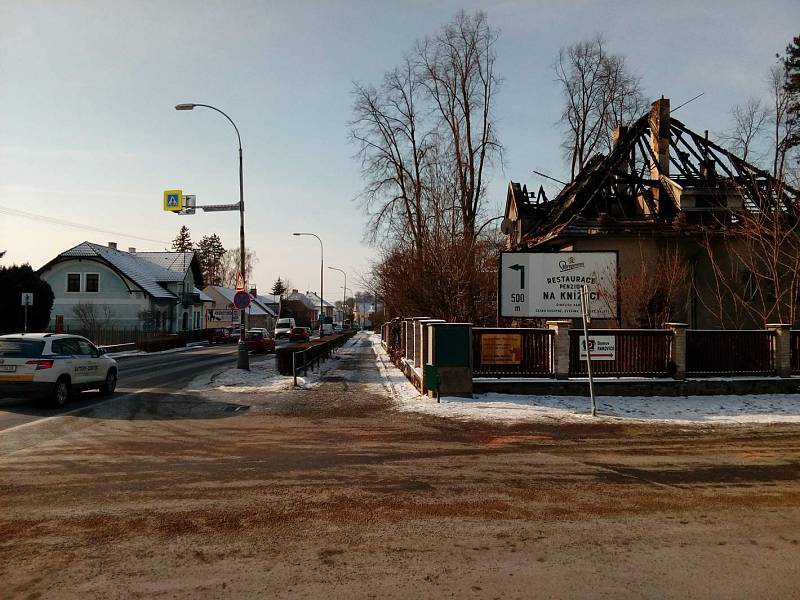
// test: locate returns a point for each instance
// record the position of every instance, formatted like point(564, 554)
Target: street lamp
point(353, 308)
point(344, 292)
point(242, 358)
point(321, 274)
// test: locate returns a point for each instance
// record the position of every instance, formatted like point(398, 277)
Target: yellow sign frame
point(168, 193)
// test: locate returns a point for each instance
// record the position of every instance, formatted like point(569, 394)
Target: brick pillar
point(678, 350)
point(781, 349)
point(560, 347)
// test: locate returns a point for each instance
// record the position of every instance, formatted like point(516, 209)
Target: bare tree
point(600, 94)
point(229, 266)
point(426, 140)
point(749, 122)
point(93, 317)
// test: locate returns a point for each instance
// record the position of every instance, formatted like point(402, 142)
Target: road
point(166, 372)
point(330, 492)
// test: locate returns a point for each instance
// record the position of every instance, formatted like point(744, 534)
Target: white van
point(282, 328)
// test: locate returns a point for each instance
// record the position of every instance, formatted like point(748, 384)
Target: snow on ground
point(263, 376)
point(709, 410)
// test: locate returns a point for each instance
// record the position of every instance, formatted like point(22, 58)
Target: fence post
point(678, 348)
point(781, 348)
point(560, 355)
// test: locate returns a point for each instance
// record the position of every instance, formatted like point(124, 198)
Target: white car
point(53, 365)
point(283, 327)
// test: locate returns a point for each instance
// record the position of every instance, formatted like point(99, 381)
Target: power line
point(13, 212)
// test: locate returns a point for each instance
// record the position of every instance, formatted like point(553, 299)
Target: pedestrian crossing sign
point(173, 200)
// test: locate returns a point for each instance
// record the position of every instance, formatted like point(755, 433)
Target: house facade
point(680, 211)
point(98, 286)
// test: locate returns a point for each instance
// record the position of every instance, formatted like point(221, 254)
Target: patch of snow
point(508, 408)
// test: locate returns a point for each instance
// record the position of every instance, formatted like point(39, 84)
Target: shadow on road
point(119, 406)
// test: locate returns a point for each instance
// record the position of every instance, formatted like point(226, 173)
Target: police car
point(54, 366)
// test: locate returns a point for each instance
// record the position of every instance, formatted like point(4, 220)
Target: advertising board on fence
point(501, 348)
point(222, 315)
point(602, 347)
point(547, 284)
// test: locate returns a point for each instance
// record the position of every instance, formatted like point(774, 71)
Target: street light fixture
point(344, 292)
point(321, 277)
point(242, 358)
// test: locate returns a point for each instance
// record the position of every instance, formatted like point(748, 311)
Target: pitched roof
point(145, 273)
point(294, 295)
point(315, 300)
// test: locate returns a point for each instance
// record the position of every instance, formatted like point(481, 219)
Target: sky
point(89, 135)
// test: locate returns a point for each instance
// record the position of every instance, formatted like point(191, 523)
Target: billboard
point(547, 284)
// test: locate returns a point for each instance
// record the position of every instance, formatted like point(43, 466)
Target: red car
point(300, 334)
point(219, 336)
point(257, 342)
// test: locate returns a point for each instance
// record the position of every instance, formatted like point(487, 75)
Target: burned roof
point(658, 174)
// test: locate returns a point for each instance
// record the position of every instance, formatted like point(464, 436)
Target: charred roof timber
point(659, 174)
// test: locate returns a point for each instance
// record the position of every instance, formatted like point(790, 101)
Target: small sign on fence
point(501, 349)
point(602, 347)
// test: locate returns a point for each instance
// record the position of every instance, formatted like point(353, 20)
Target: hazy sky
point(88, 132)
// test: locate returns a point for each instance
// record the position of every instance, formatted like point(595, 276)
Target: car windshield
point(253, 335)
point(19, 348)
point(284, 324)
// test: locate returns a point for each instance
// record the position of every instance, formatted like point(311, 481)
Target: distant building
point(222, 312)
point(99, 286)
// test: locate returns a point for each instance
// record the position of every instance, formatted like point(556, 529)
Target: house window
point(92, 282)
point(73, 282)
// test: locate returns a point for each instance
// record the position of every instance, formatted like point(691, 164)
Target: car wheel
point(110, 383)
point(61, 391)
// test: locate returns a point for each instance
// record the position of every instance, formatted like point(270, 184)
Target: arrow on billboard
point(521, 269)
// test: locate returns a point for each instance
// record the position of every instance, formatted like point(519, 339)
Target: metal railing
point(713, 352)
point(638, 352)
point(313, 356)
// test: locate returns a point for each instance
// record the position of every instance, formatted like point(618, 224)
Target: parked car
point(220, 336)
point(53, 366)
point(283, 327)
point(300, 334)
point(257, 342)
point(337, 328)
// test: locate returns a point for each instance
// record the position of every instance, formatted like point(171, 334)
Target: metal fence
point(638, 352)
point(711, 352)
point(512, 352)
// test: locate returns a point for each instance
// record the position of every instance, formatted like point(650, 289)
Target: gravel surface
point(330, 492)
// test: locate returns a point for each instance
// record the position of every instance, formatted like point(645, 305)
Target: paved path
point(330, 493)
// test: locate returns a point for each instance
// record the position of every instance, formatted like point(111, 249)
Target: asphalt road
point(169, 371)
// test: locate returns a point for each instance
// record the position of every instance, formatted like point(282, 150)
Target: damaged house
point(702, 236)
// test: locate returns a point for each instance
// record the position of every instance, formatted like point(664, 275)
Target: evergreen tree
point(183, 241)
point(791, 63)
point(278, 288)
point(14, 281)
point(209, 253)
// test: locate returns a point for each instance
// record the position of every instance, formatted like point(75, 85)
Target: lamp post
point(242, 358)
point(321, 277)
point(344, 291)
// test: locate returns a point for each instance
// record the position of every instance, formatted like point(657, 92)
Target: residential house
point(223, 313)
point(98, 286)
point(302, 308)
point(328, 308)
point(676, 207)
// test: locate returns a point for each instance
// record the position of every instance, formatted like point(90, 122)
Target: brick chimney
point(253, 291)
point(112, 245)
point(659, 141)
point(132, 250)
